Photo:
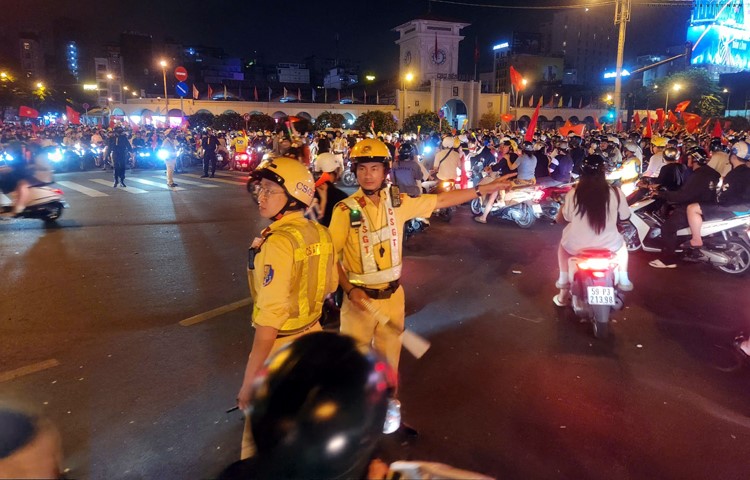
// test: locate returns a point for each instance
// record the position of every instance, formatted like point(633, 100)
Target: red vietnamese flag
point(597, 123)
point(717, 133)
point(682, 106)
point(649, 129)
point(637, 121)
point(255, 92)
point(73, 116)
point(672, 118)
point(692, 121)
point(660, 117)
point(506, 117)
point(196, 93)
point(532, 125)
point(516, 79)
point(27, 112)
point(210, 92)
point(618, 128)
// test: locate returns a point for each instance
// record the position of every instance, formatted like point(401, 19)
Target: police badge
point(267, 274)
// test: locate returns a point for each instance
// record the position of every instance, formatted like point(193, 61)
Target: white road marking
point(216, 312)
point(27, 370)
point(190, 182)
point(127, 189)
point(222, 180)
point(154, 184)
point(80, 188)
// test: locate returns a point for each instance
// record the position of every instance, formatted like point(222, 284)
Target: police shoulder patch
point(267, 274)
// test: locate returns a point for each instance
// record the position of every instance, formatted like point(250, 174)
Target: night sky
point(289, 31)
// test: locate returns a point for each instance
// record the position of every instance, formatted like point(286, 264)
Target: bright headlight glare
point(55, 156)
point(162, 154)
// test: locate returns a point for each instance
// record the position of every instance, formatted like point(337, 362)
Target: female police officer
point(290, 269)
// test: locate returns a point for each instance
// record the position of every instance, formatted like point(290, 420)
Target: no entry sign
point(180, 74)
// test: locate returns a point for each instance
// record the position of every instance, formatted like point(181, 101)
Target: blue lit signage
point(720, 34)
point(500, 46)
point(624, 73)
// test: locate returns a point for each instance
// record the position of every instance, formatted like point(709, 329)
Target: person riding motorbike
point(656, 161)
point(525, 165)
point(326, 192)
point(699, 187)
point(448, 160)
point(406, 173)
point(734, 195)
point(561, 167)
point(14, 175)
point(719, 157)
point(591, 211)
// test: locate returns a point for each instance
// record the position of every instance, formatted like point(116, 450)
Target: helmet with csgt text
point(291, 175)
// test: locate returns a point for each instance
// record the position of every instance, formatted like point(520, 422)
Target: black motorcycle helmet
point(717, 145)
point(593, 165)
point(527, 146)
point(671, 154)
point(406, 151)
point(319, 409)
point(698, 155)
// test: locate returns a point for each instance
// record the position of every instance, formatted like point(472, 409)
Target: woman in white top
point(591, 211)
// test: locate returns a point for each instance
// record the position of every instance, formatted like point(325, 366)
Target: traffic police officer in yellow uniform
point(291, 268)
point(367, 232)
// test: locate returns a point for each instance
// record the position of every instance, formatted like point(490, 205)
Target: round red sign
point(180, 74)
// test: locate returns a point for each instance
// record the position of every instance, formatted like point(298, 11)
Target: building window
point(26, 46)
point(455, 91)
point(416, 103)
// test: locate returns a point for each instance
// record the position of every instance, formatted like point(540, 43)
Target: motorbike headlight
point(426, 149)
point(446, 184)
point(55, 156)
point(162, 154)
point(144, 154)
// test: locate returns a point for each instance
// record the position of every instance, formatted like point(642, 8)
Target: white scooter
point(520, 204)
point(45, 203)
point(726, 244)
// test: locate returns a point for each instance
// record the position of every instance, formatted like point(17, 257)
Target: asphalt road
point(512, 387)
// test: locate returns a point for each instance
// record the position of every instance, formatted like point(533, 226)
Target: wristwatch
point(479, 194)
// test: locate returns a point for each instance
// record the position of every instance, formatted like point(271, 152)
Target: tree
point(384, 122)
point(229, 121)
point(695, 83)
point(201, 120)
point(303, 125)
point(261, 121)
point(489, 120)
point(710, 106)
point(429, 122)
point(329, 120)
point(738, 123)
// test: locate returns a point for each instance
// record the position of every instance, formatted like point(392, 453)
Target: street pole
point(166, 98)
point(666, 103)
point(622, 17)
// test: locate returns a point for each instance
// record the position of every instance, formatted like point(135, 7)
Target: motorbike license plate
point(601, 295)
point(536, 208)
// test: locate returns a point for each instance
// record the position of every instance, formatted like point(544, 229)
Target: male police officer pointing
point(367, 231)
point(291, 268)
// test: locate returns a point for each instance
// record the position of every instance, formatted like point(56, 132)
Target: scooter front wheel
point(476, 206)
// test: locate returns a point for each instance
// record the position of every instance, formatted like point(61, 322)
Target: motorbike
point(519, 205)
point(45, 203)
point(726, 244)
point(551, 198)
point(242, 161)
point(445, 214)
point(64, 159)
point(593, 288)
point(348, 178)
point(144, 158)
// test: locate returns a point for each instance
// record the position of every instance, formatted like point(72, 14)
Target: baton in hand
point(413, 343)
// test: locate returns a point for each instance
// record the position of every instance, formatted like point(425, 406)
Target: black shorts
point(714, 211)
point(9, 181)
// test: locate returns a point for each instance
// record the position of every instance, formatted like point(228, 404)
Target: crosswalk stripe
point(4, 199)
point(154, 184)
point(221, 180)
point(190, 182)
point(234, 173)
point(80, 188)
point(127, 189)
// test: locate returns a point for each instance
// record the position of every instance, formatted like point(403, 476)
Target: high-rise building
point(141, 68)
point(31, 55)
point(109, 76)
point(587, 40)
point(524, 52)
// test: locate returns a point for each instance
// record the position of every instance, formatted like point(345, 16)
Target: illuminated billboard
point(720, 33)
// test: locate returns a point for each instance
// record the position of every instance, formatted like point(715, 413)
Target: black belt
point(376, 294)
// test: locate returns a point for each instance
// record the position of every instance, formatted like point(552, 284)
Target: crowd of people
point(321, 241)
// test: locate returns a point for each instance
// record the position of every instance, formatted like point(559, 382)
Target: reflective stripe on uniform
point(371, 274)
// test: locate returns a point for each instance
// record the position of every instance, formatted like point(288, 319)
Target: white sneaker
point(659, 264)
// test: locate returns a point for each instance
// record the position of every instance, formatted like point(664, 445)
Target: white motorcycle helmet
point(328, 162)
point(448, 142)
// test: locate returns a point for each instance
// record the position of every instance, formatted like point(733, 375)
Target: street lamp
point(407, 78)
point(726, 90)
point(370, 78)
point(40, 85)
point(163, 64)
point(676, 87)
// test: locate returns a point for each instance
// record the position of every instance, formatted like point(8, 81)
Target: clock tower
point(428, 48)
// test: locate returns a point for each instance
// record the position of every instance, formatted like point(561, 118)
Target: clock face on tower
point(407, 58)
point(438, 56)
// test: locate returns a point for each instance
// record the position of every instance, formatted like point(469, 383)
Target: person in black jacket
point(699, 187)
point(210, 145)
point(733, 198)
point(119, 147)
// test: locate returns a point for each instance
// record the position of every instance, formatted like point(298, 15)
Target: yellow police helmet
point(370, 150)
point(291, 175)
point(658, 141)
